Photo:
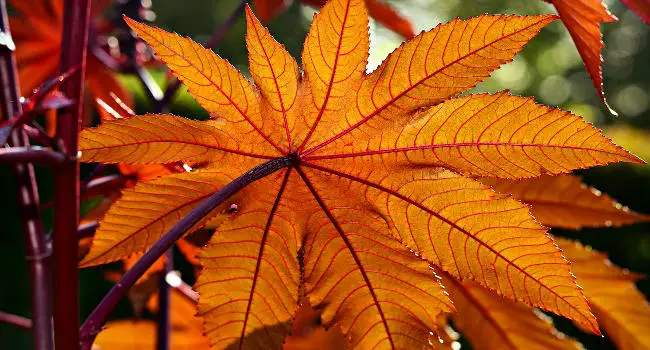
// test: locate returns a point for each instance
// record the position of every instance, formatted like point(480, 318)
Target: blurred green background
point(549, 68)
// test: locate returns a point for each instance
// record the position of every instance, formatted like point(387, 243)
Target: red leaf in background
point(383, 13)
point(582, 18)
point(640, 7)
point(390, 18)
point(36, 29)
point(266, 10)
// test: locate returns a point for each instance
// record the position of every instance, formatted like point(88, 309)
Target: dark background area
point(549, 68)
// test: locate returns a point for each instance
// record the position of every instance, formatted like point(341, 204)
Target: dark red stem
point(25, 154)
point(74, 44)
point(38, 136)
point(38, 252)
point(18, 321)
point(98, 317)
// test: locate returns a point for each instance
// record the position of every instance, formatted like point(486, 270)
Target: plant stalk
point(74, 45)
point(38, 252)
point(163, 331)
point(18, 321)
point(98, 317)
point(25, 154)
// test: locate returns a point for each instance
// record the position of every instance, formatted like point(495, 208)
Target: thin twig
point(25, 154)
point(174, 279)
point(98, 317)
point(38, 136)
point(74, 45)
point(102, 185)
point(18, 321)
point(87, 230)
point(38, 252)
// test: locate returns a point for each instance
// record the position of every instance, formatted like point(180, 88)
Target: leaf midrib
point(348, 244)
point(192, 143)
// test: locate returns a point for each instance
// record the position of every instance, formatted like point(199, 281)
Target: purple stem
point(74, 43)
point(38, 252)
point(18, 321)
point(98, 317)
point(38, 136)
point(164, 304)
point(25, 154)
point(87, 230)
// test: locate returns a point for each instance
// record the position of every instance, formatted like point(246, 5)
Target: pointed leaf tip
point(583, 19)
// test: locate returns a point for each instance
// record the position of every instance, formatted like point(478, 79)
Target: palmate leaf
point(565, 201)
point(500, 323)
point(373, 194)
point(622, 310)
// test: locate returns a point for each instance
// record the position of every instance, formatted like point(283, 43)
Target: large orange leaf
point(488, 135)
point(583, 18)
point(356, 232)
point(466, 229)
point(146, 211)
point(622, 311)
point(426, 70)
point(494, 322)
point(564, 201)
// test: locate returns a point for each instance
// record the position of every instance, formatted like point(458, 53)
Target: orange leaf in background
point(583, 18)
point(156, 268)
point(186, 330)
point(373, 194)
point(564, 201)
point(622, 311)
point(37, 29)
point(383, 13)
point(640, 7)
point(499, 323)
point(308, 333)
